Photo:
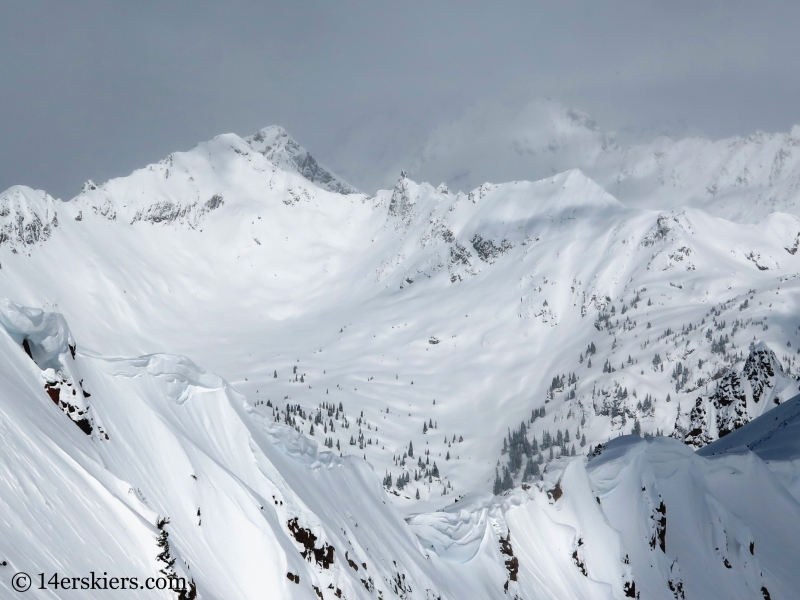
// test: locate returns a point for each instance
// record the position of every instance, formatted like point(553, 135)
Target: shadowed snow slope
point(775, 438)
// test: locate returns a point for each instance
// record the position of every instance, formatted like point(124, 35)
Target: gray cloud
point(96, 89)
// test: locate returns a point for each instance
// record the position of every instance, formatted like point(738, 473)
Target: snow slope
point(774, 439)
point(252, 507)
point(645, 518)
point(408, 336)
point(247, 501)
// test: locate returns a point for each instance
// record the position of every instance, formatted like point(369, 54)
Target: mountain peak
point(275, 143)
point(27, 216)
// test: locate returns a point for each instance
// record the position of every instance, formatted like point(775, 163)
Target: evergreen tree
point(527, 475)
point(275, 375)
point(411, 449)
point(417, 494)
point(508, 483)
point(498, 484)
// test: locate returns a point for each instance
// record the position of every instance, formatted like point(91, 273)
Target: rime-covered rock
point(761, 369)
point(27, 217)
point(401, 204)
point(285, 153)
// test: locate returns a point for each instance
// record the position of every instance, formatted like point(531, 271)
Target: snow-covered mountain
point(459, 348)
point(739, 178)
point(285, 153)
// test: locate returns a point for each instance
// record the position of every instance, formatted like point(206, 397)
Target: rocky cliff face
point(285, 153)
point(26, 217)
point(740, 396)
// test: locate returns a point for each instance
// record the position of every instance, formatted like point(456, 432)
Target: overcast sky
point(97, 89)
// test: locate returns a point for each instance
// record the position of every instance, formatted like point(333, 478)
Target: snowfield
point(421, 393)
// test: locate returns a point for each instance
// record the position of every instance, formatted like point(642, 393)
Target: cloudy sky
point(97, 89)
